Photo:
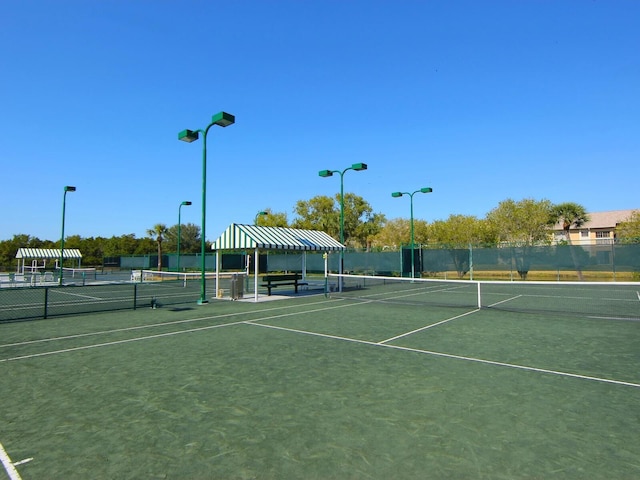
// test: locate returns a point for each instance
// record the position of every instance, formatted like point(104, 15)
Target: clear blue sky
point(480, 100)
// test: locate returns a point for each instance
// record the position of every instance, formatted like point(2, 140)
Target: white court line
point(457, 357)
point(408, 293)
point(78, 295)
point(151, 325)
point(428, 326)
point(8, 465)
point(117, 342)
point(161, 335)
point(625, 319)
point(507, 300)
point(354, 340)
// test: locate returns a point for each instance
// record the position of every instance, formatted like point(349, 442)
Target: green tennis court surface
point(319, 388)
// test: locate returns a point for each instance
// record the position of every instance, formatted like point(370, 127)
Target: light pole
point(329, 173)
point(222, 119)
point(179, 226)
point(64, 201)
point(255, 220)
point(399, 194)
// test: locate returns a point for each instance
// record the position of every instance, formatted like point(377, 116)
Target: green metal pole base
point(202, 302)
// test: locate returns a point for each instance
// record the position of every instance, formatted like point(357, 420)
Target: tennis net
point(595, 299)
point(184, 278)
point(79, 272)
point(227, 284)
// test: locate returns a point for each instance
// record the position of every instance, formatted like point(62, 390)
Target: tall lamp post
point(222, 119)
point(64, 201)
point(399, 194)
point(255, 220)
point(179, 226)
point(329, 173)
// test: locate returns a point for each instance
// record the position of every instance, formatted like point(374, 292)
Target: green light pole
point(399, 194)
point(179, 226)
point(64, 201)
point(255, 220)
point(329, 173)
point(222, 119)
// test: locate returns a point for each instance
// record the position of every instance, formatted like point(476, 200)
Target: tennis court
point(362, 384)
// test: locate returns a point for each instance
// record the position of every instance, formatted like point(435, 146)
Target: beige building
point(599, 230)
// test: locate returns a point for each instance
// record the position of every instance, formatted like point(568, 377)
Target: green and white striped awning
point(47, 253)
point(249, 237)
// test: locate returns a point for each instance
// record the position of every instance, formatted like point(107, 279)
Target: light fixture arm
point(400, 194)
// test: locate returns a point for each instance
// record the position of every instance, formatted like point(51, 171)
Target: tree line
point(520, 223)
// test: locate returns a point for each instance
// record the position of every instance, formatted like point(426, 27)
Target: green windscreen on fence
point(594, 299)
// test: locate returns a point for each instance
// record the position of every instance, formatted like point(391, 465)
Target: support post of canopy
point(255, 276)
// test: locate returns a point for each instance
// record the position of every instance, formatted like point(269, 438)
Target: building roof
point(608, 219)
point(244, 237)
point(47, 253)
point(601, 220)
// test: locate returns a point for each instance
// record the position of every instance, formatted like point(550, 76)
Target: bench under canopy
point(265, 239)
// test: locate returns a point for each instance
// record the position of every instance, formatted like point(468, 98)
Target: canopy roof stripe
point(47, 253)
point(239, 237)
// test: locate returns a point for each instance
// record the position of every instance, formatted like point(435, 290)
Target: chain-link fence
point(39, 295)
point(558, 262)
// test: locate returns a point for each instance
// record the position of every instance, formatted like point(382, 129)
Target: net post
point(479, 296)
point(325, 256)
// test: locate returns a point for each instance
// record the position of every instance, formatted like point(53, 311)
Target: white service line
point(428, 326)
point(78, 295)
point(457, 357)
point(504, 301)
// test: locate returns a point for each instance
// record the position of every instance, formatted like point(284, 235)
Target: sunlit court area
point(385, 378)
point(343, 240)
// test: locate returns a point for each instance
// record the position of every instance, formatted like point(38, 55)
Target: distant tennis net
point(600, 299)
point(84, 272)
point(185, 278)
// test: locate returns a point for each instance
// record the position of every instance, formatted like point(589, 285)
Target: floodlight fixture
point(329, 173)
point(263, 212)
point(185, 203)
point(222, 119)
point(188, 136)
point(399, 194)
point(67, 188)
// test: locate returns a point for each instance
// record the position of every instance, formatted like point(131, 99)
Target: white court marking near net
point(254, 322)
point(8, 465)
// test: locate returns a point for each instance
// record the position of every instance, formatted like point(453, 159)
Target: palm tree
point(159, 231)
point(570, 214)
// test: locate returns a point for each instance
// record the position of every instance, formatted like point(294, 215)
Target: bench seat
point(274, 281)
